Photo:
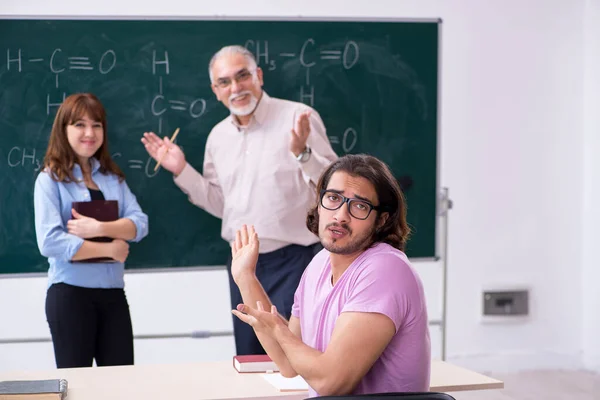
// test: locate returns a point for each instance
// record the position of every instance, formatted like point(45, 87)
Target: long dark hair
point(60, 157)
point(395, 231)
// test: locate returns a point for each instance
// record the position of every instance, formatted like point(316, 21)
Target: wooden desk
point(216, 380)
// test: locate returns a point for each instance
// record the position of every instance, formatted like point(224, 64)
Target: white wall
point(512, 148)
point(591, 209)
point(160, 303)
point(512, 156)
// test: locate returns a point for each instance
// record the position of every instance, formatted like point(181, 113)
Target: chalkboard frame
point(437, 239)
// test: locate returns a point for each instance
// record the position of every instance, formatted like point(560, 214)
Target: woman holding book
point(86, 306)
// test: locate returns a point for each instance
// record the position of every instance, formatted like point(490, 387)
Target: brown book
point(104, 211)
point(49, 389)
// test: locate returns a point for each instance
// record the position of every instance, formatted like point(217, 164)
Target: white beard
point(245, 110)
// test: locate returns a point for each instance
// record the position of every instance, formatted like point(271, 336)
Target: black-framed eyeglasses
point(359, 209)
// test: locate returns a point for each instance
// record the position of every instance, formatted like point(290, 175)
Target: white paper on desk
point(284, 384)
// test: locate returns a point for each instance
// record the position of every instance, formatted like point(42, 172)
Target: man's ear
point(215, 91)
point(382, 220)
point(259, 75)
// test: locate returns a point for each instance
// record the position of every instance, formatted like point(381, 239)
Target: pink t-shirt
point(380, 280)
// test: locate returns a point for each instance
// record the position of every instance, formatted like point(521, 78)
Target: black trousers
point(88, 324)
point(279, 273)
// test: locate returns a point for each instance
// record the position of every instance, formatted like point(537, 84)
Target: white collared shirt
point(250, 176)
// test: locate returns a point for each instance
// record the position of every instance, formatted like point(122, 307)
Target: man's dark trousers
point(279, 273)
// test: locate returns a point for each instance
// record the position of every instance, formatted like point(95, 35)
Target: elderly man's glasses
point(241, 77)
point(359, 209)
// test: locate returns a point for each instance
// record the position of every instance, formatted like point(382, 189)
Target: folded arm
point(131, 226)
point(52, 237)
point(91, 249)
point(357, 342)
point(123, 228)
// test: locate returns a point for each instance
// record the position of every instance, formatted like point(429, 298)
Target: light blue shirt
point(52, 205)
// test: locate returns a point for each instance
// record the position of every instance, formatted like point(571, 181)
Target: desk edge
point(462, 388)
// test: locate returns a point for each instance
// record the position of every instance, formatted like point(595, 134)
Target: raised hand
point(244, 253)
point(173, 161)
point(300, 133)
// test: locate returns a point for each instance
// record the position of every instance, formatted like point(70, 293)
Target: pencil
point(165, 153)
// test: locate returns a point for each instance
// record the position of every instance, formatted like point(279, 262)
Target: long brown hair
point(60, 157)
point(395, 231)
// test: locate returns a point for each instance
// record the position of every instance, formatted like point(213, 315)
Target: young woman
point(86, 307)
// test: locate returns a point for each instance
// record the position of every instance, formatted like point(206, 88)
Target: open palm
point(300, 133)
point(244, 253)
point(173, 161)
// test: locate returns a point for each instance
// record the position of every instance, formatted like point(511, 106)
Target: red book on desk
point(101, 210)
point(254, 363)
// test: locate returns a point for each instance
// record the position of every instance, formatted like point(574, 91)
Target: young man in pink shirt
point(359, 320)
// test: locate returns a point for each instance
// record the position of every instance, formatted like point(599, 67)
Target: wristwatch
point(305, 155)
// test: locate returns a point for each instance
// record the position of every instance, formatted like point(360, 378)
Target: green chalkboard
point(375, 84)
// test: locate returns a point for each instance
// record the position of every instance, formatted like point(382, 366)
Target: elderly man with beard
point(261, 167)
point(359, 322)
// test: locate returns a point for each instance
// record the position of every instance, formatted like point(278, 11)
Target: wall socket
point(506, 303)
